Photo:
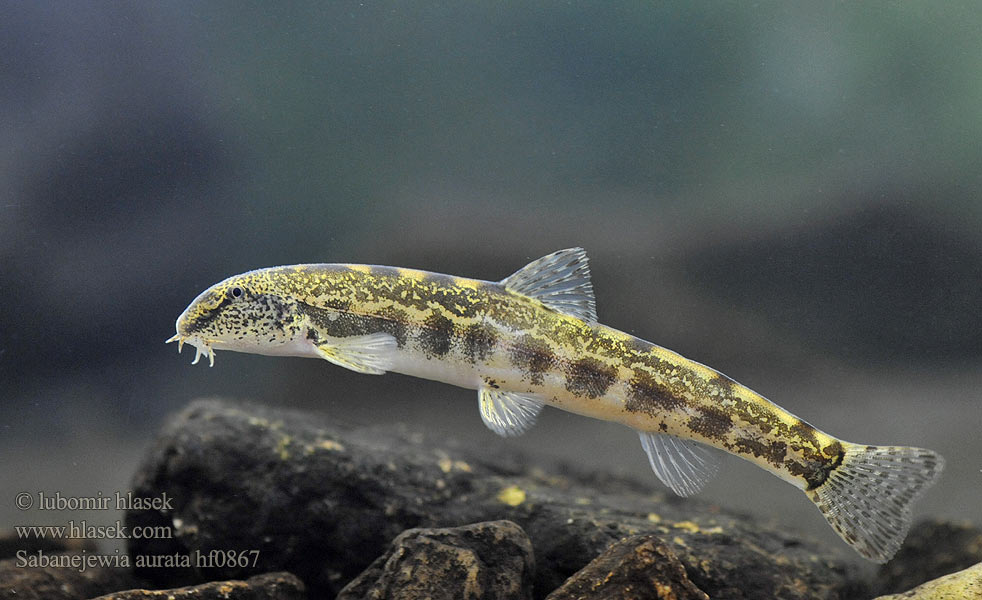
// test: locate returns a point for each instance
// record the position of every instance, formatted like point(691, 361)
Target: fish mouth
point(201, 347)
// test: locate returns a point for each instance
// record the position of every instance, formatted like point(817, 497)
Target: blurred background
point(789, 193)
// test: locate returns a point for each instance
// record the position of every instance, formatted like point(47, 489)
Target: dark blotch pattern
point(834, 450)
point(335, 322)
point(805, 432)
point(712, 422)
point(646, 396)
point(436, 337)
point(533, 357)
point(773, 452)
point(589, 377)
point(338, 324)
point(395, 322)
point(797, 468)
point(815, 473)
point(479, 341)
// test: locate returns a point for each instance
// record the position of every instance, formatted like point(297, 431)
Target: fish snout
point(201, 346)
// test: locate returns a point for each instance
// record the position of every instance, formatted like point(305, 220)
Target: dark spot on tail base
point(817, 472)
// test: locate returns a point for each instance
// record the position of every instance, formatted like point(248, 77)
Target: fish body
point(533, 339)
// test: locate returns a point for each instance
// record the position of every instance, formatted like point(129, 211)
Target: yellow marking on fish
point(472, 284)
point(414, 274)
point(533, 339)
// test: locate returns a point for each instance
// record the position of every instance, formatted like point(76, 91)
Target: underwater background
point(789, 193)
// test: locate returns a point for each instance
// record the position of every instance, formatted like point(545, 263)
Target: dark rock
point(271, 586)
point(20, 582)
point(640, 567)
point(324, 504)
point(932, 549)
point(480, 561)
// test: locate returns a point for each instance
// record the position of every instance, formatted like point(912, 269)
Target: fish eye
point(235, 292)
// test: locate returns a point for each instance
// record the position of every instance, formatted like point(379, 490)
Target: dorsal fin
point(683, 465)
point(560, 280)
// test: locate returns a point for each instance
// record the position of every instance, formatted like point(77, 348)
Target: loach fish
point(533, 339)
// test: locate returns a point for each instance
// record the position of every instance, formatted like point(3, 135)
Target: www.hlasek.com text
point(82, 530)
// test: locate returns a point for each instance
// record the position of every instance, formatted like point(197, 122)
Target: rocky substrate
point(267, 503)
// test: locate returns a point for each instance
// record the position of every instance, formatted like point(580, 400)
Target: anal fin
point(683, 465)
point(371, 354)
point(506, 413)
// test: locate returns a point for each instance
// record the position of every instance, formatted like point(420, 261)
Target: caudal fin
point(867, 498)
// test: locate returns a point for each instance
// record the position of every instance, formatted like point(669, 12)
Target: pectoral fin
point(372, 354)
point(683, 465)
point(506, 413)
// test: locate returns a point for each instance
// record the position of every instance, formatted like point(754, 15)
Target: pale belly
point(437, 369)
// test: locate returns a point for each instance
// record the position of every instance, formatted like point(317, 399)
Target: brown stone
point(640, 567)
point(483, 561)
point(271, 586)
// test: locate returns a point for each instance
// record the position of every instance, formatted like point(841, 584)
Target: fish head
point(244, 313)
